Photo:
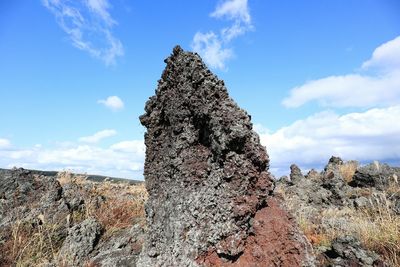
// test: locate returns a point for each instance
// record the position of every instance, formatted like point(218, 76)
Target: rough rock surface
point(122, 249)
point(80, 241)
point(207, 178)
point(20, 187)
point(375, 175)
point(347, 251)
point(295, 173)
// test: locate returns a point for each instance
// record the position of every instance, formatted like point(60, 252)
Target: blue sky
point(318, 77)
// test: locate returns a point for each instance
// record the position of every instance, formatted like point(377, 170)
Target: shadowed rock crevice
point(207, 176)
point(202, 125)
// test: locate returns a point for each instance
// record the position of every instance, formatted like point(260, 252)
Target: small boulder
point(80, 242)
point(375, 175)
point(121, 249)
point(347, 251)
point(361, 203)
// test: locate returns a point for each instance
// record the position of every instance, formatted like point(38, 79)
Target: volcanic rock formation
point(210, 192)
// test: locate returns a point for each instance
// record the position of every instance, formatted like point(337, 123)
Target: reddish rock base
point(276, 242)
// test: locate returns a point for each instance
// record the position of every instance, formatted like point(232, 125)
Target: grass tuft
point(347, 170)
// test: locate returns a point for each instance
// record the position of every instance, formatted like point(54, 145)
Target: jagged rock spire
point(205, 170)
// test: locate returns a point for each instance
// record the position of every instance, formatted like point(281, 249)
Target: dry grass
point(115, 206)
point(119, 211)
point(67, 177)
point(312, 232)
point(347, 170)
point(118, 214)
point(30, 245)
point(379, 229)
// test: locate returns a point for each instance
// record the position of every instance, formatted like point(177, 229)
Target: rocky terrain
point(208, 200)
point(67, 220)
point(349, 212)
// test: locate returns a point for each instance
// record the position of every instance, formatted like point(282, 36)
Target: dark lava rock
point(25, 196)
point(73, 196)
point(347, 251)
point(207, 179)
point(80, 242)
point(375, 175)
point(20, 186)
point(120, 249)
point(333, 181)
point(333, 163)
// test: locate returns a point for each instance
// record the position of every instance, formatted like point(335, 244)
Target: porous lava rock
point(80, 241)
point(377, 175)
point(210, 193)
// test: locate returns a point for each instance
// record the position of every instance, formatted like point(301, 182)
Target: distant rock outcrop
point(339, 202)
point(210, 193)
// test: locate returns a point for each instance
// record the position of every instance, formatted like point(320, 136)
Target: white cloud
point(366, 136)
point(97, 137)
point(4, 143)
point(351, 90)
point(112, 102)
point(385, 57)
point(209, 46)
point(234, 10)
point(133, 146)
point(88, 24)
point(380, 88)
point(124, 159)
point(214, 47)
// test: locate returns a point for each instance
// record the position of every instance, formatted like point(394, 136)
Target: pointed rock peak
point(186, 68)
point(177, 50)
point(206, 173)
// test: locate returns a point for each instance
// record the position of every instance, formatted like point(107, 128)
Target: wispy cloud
point(112, 102)
point(214, 47)
point(233, 9)
point(97, 137)
point(365, 136)
point(378, 85)
point(88, 25)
